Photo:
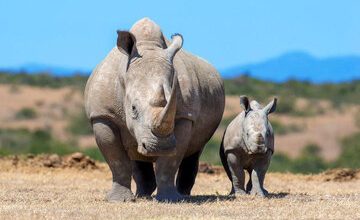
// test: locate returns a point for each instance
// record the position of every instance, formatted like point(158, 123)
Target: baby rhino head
point(256, 129)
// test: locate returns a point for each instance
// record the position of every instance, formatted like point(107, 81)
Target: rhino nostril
point(144, 146)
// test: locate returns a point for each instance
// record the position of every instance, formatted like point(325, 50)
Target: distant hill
point(301, 66)
point(35, 68)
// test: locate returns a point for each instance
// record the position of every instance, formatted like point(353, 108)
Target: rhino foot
point(261, 193)
point(170, 197)
point(119, 193)
point(239, 193)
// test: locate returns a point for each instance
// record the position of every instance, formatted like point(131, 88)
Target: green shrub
point(225, 121)
point(350, 155)
point(211, 152)
point(43, 80)
point(94, 153)
point(26, 113)
point(22, 141)
point(280, 163)
point(282, 129)
point(79, 124)
point(308, 162)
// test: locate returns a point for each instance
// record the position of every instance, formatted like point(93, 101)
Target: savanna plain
point(313, 174)
point(53, 187)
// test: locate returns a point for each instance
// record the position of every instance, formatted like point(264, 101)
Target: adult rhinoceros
point(150, 101)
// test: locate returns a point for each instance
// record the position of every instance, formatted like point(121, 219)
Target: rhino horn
point(175, 46)
point(165, 122)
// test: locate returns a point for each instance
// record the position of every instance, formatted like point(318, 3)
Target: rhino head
point(256, 127)
point(151, 85)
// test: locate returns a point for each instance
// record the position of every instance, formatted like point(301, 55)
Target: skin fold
point(248, 144)
point(153, 107)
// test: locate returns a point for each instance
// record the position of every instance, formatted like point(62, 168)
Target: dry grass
point(34, 192)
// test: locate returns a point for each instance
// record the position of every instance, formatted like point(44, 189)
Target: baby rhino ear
point(245, 104)
point(271, 107)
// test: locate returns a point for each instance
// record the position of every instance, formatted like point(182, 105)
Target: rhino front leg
point(108, 140)
point(167, 166)
point(257, 178)
point(237, 174)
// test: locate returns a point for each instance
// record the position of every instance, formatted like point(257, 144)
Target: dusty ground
point(31, 190)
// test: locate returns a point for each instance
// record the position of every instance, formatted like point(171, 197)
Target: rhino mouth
point(158, 147)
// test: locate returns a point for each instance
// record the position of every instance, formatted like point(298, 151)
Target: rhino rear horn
point(175, 46)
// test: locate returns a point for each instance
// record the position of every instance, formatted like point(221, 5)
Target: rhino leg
point(237, 174)
point(187, 173)
point(249, 183)
point(167, 166)
point(257, 177)
point(144, 176)
point(108, 140)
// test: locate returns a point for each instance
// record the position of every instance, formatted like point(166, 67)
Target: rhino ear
point(125, 42)
point(175, 46)
point(271, 107)
point(245, 104)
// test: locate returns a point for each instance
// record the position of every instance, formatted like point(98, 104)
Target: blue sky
point(78, 34)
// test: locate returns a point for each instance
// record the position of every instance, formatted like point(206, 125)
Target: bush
point(22, 141)
point(308, 162)
point(79, 124)
point(43, 79)
point(350, 155)
point(26, 113)
point(211, 152)
point(282, 129)
point(94, 153)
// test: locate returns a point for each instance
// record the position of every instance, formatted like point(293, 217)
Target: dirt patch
point(209, 169)
point(336, 175)
point(75, 160)
point(339, 175)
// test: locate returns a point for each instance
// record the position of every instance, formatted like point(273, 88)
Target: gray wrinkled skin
point(248, 144)
point(149, 102)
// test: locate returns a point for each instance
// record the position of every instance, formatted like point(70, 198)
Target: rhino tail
point(224, 159)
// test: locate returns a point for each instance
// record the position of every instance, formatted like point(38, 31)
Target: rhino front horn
point(165, 122)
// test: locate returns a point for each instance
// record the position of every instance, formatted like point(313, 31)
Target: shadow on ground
point(201, 199)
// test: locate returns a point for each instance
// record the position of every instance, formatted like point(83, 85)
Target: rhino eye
point(134, 112)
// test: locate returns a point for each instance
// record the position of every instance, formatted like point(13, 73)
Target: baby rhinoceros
point(248, 144)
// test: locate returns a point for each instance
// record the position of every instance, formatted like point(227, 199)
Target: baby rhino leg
point(237, 174)
point(257, 178)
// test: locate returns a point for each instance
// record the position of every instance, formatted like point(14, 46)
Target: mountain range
point(301, 66)
point(292, 65)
